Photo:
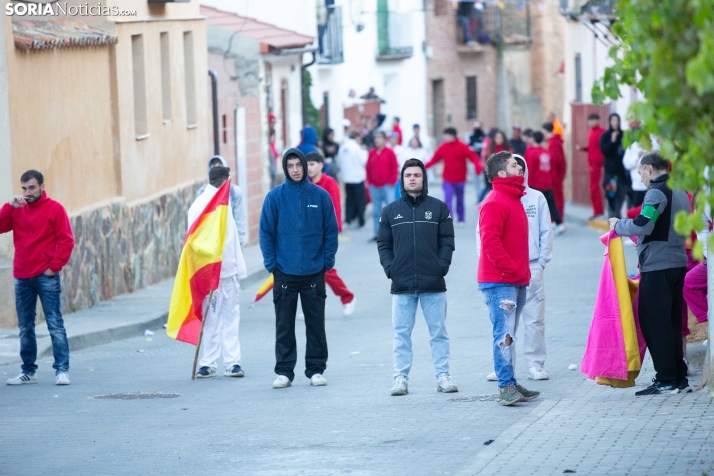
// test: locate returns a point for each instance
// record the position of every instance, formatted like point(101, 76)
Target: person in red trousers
point(595, 163)
point(558, 164)
point(315, 162)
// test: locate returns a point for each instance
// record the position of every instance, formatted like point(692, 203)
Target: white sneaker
point(318, 380)
point(349, 308)
point(62, 378)
point(400, 387)
point(492, 377)
point(535, 374)
point(559, 229)
point(281, 382)
point(446, 384)
point(22, 379)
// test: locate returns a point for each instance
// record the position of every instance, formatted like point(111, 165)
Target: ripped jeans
point(505, 304)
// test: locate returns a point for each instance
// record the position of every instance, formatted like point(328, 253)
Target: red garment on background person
point(558, 167)
point(42, 236)
point(454, 154)
point(503, 228)
point(398, 130)
point(595, 163)
point(382, 167)
point(330, 186)
point(540, 175)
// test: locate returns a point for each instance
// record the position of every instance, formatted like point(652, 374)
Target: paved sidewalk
point(123, 317)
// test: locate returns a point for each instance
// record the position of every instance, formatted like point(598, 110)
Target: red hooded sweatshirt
point(539, 168)
point(593, 149)
point(330, 186)
point(42, 236)
point(455, 154)
point(558, 165)
point(503, 227)
point(382, 167)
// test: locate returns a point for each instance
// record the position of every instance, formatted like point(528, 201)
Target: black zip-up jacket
point(416, 241)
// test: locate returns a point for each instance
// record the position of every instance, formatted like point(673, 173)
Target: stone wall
point(121, 248)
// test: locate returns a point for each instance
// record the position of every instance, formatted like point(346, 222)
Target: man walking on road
point(540, 251)
point(595, 163)
point(558, 166)
point(663, 265)
point(382, 171)
point(327, 183)
point(454, 153)
point(541, 177)
point(298, 239)
point(352, 158)
point(503, 269)
point(43, 241)
point(220, 333)
point(416, 241)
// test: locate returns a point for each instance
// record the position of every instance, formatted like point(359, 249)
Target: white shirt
point(632, 158)
point(409, 153)
point(352, 159)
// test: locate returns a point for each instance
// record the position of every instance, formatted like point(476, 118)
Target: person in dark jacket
point(663, 265)
point(298, 239)
point(329, 149)
point(615, 180)
point(416, 241)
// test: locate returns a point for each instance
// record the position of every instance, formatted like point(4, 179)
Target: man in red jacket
point(315, 163)
point(595, 163)
point(43, 244)
point(540, 176)
point(558, 166)
point(454, 153)
point(503, 267)
point(382, 171)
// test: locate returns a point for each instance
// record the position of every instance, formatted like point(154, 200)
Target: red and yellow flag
point(199, 269)
point(263, 289)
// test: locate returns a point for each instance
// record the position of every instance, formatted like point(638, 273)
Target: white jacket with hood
point(540, 229)
point(236, 203)
point(233, 263)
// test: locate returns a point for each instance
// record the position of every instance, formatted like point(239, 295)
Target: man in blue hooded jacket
point(298, 238)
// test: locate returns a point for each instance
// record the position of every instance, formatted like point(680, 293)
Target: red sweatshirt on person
point(595, 157)
point(503, 227)
point(329, 184)
point(540, 173)
point(382, 167)
point(454, 154)
point(558, 164)
point(42, 236)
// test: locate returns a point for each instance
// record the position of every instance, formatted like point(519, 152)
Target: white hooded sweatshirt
point(233, 263)
point(540, 229)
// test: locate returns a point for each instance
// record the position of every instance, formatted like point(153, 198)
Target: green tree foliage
point(667, 53)
point(311, 112)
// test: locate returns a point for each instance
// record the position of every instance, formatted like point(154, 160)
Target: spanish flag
point(263, 289)
point(199, 269)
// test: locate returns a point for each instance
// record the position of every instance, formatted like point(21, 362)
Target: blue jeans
point(505, 304)
point(404, 308)
point(381, 196)
point(466, 27)
point(47, 288)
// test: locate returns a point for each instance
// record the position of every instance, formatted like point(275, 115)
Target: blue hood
point(309, 136)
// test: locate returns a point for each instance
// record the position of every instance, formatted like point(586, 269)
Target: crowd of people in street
point(520, 207)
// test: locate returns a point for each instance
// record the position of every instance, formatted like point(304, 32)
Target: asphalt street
point(353, 426)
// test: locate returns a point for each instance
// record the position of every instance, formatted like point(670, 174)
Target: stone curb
point(119, 332)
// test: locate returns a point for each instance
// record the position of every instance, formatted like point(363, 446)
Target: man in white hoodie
point(540, 243)
point(352, 159)
point(220, 332)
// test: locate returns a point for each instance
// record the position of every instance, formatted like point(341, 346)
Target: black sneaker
point(683, 386)
point(234, 371)
point(205, 372)
point(658, 388)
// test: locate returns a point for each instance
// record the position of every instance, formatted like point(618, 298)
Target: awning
point(270, 37)
point(43, 35)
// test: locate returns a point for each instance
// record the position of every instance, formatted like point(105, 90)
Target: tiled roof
point(271, 37)
point(43, 35)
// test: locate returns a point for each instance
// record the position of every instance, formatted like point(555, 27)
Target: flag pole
point(200, 335)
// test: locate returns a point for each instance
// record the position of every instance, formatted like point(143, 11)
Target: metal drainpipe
point(302, 87)
point(214, 97)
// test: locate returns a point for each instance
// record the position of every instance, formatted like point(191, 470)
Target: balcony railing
point(509, 23)
point(394, 35)
point(329, 37)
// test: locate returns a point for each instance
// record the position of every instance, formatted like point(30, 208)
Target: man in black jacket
point(416, 240)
